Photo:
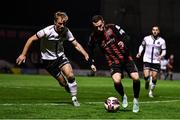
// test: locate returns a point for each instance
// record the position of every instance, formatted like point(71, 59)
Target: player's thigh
point(67, 70)
point(146, 69)
point(132, 70)
point(116, 77)
point(154, 74)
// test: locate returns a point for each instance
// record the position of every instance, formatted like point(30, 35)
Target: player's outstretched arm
point(86, 56)
point(80, 49)
point(22, 56)
point(141, 48)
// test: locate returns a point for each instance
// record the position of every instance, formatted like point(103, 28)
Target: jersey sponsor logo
point(110, 41)
point(109, 35)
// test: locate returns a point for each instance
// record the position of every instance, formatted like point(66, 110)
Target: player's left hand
point(21, 59)
point(159, 58)
point(121, 44)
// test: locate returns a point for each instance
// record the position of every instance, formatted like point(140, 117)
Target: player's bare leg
point(153, 83)
point(119, 88)
point(147, 78)
point(63, 82)
point(68, 72)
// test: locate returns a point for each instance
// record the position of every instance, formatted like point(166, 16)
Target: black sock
point(119, 88)
point(166, 76)
point(154, 81)
point(171, 76)
point(136, 88)
point(71, 79)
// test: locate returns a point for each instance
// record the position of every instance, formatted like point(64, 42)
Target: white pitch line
point(62, 104)
point(35, 104)
point(170, 97)
point(145, 102)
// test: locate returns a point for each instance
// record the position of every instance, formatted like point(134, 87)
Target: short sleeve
point(70, 36)
point(40, 33)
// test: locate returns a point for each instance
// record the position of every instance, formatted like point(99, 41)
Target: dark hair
point(156, 26)
point(96, 18)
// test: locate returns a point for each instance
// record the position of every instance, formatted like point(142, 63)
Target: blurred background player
point(170, 67)
point(155, 50)
point(52, 52)
point(110, 39)
point(163, 72)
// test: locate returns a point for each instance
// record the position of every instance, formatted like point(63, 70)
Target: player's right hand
point(138, 55)
point(121, 44)
point(21, 59)
point(93, 68)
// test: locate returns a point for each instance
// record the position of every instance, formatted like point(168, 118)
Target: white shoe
point(151, 94)
point(124, 102)
point(75, 101)
point(135, 105)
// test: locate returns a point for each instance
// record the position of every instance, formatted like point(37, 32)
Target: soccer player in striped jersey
point(154, 48)
point(52, 52)
point(110, 39)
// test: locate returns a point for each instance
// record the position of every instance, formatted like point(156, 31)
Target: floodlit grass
point(40, 97)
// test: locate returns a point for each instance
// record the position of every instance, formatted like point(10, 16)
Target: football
point(112, 104)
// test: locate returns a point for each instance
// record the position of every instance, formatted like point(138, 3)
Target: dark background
point(22, 18)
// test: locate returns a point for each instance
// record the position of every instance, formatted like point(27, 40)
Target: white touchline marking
point(169, 97)
point(141, 102)
point(30, 88)
point(35, 104)
point(62, 104)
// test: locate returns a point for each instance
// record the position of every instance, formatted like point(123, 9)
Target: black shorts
point(151, 66)
point(128, 66)
point(53, 66)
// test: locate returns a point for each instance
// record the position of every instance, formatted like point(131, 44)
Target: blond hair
point(63, 15)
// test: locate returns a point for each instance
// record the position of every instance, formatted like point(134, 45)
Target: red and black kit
point(107, 41)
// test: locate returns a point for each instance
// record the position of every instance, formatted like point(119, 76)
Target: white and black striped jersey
point(51, 43)
point(153, 49)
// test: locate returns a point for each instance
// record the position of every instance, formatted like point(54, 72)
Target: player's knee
point(117, 82)
point(154, 77)
point(135, 76)
point(71, 78)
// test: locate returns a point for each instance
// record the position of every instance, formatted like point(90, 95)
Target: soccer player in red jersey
point(111, 38)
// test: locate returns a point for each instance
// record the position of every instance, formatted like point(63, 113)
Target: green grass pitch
point(41, 97)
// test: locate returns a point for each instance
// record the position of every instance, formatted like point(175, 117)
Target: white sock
point(135, 100)
point(150, 80)
point(73, 88)
point(150, 92)
point(152, 86)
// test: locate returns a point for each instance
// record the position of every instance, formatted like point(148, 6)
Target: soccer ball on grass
point(112, 104)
